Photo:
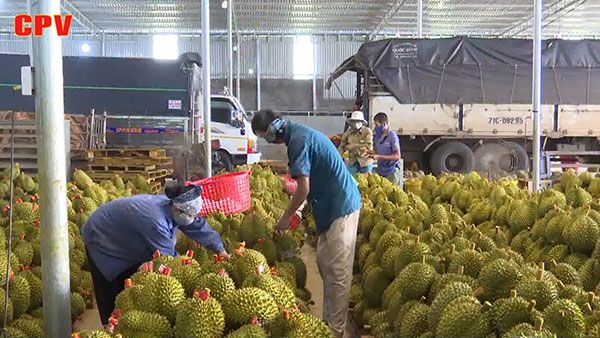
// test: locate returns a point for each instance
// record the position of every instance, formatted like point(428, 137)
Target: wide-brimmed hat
point(357, 116)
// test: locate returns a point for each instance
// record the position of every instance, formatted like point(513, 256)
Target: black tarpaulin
point(475, 70)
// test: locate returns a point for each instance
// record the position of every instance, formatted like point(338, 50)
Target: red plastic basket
point(290, 184)
point(228, 193)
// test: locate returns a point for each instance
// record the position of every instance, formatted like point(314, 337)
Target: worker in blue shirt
point(327, 185)
point(123, 234)
point(387, 150)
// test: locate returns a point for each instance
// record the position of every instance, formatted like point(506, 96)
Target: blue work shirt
point(126, 231)
point(333, 193)
point(386, 145)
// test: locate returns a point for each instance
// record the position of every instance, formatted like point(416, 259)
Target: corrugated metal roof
point(566, 18)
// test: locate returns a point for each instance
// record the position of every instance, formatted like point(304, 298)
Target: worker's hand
point(284, 223)
point(375, 157)
point(224, 254)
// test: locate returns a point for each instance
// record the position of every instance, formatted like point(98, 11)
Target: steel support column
point(230, 46)
point(537, 90)
point(258, 70)
point(420, 19)
point(54, 235)
point(205, 18)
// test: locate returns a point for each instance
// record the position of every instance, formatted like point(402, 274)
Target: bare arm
point(393, 157)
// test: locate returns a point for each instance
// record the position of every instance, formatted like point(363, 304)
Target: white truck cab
point(231, 126)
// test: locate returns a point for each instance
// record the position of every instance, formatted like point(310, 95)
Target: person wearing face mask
point(327, 185)
point(387, 150)
point(123, 234)
point(358, 142)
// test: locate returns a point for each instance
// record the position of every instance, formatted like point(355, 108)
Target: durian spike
point(588, 308)
point(539, 323)
point(513, 293)
point(539, 274)
point(486, 306)
point(591, 297)
point(532, 304)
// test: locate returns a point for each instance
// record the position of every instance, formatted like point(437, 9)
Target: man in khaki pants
point(325, 182)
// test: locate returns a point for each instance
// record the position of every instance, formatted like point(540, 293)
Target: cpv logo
point(25, 24)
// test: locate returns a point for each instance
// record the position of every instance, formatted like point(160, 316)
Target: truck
point(138, 102)
point(464, 104)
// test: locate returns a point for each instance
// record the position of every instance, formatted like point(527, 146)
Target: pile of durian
point(259, 292)
point(468, 257)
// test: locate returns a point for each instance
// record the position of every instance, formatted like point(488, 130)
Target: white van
point(231, 127)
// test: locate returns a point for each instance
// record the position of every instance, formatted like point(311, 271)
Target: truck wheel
point(222, 161)
point(520, 155)
point(452, 157)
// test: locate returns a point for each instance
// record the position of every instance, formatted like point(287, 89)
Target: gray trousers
point(335, 258)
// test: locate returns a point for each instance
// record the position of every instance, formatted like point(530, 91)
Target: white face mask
point(356, 125)
point(182, 219)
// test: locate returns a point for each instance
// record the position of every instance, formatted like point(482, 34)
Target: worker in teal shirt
point(123, 234)
point(327, 185)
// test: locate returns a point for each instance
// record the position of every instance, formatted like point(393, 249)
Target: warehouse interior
point(459, 142)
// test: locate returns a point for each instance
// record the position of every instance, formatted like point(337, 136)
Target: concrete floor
point(314, 284)
point(90, 320)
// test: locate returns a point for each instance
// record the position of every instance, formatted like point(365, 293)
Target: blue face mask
point(380, 129)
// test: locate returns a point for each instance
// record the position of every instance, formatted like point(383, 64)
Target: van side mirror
point(236, 118)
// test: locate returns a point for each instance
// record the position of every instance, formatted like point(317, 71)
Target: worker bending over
point(123, 234)
point(327, 185)
point(357, 142)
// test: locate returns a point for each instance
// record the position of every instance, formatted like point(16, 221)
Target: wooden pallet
point(136, 153)
point(149, 175)
point(132, 161)
point(155, 187)
point(123, 168)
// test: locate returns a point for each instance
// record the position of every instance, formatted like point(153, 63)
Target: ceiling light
point(85, 48)
point(224, 4)
point(250, 71)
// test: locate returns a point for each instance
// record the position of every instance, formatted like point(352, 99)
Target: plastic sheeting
point(472, 70)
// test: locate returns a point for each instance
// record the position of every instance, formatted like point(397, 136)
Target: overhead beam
point(80, 18)
point(556, 10)
point(389, 13)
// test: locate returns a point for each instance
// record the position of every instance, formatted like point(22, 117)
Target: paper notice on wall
point(175, 104)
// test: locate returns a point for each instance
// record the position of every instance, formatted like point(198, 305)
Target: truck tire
point(521, 156)
point(452, 157)
point(222, 161)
